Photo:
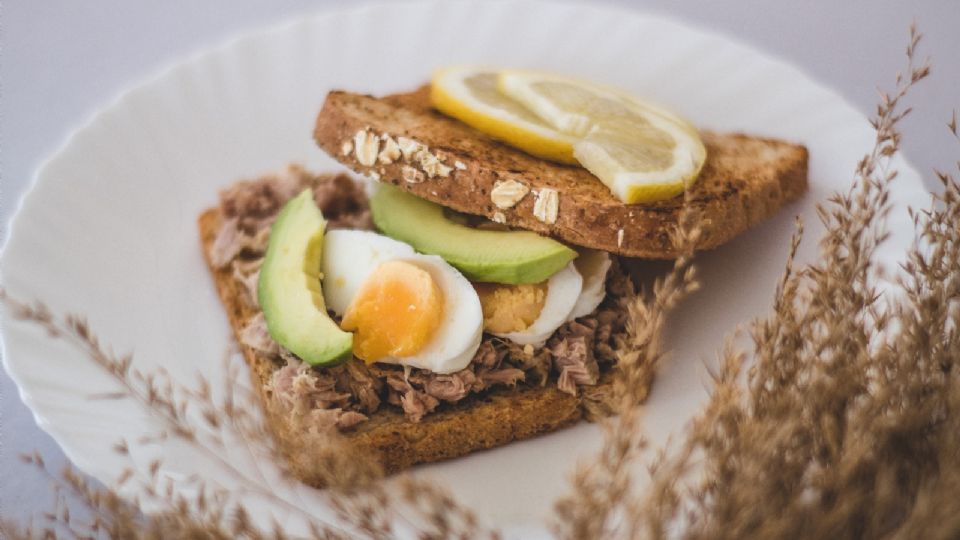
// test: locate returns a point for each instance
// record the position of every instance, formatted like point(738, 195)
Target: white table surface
point(62, 59)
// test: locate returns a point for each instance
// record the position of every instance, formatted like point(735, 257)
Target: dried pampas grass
point(845, 423)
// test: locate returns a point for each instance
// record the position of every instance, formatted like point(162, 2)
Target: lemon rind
point(450, 96)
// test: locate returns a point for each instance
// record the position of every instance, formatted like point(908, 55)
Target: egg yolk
point(395, 313)
point(510, 308)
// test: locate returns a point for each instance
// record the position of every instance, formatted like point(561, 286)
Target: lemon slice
point(642, 152)
point(470, 95)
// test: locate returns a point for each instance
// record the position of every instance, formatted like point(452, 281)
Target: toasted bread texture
point(483, 421)
point(744, 180)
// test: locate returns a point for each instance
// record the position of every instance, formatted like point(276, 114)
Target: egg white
point(593, 266)
point(350, 257)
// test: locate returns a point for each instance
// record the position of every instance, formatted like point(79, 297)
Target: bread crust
point(493, 418)
point(744, 181)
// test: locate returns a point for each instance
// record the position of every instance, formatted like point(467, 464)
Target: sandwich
point(468, 287)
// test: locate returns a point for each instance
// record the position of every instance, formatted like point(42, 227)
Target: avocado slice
point(289, 286)
point(512, 257)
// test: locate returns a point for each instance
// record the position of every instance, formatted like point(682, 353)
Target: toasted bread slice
point(482, 421)
point(744, 180)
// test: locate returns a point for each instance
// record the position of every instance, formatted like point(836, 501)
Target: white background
point(61, 59)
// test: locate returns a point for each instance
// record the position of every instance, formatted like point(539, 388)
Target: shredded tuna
point(504, 377)
point(331, 398)
point(488, 355)
point(343, 202)
point(280, 386)
point(288, 356)
point(322, 388)
point(297, 387)
point(344, 395)
point(610, 324)
point(396, 381)
point(255, 336)
point(453, 387)
point(393, 397)
point(349, 419)
point(247, 274)
point(417, 404)
point(227, 244)
point(574, 371)
point(257, 244)
point(325, 419)
point(536, 364)
point(362, 220)
point(256, 203)
point(231, 241)
point(364, 386)
point(573, 356)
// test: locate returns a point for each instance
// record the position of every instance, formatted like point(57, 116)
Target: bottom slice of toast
point(493, 418)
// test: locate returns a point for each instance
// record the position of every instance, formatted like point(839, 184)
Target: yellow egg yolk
point(510, 308)
point(395, 313)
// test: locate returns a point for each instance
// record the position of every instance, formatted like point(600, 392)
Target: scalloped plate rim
point(203, 54)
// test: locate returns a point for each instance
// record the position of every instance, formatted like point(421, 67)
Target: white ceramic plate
point(108, 228)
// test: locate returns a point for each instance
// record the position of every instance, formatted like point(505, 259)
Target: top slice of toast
point(745, 179)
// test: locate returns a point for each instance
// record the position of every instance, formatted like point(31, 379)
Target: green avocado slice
point(289, 286)
point(512, 257)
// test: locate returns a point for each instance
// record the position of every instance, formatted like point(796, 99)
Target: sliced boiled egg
point(403, 307)
point(563, 290)
point(395, 313)
point(349, 257)
point(529, 314)
point(510, 308)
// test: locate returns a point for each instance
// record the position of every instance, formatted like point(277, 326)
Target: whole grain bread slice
point(483, 421)
point(744, 180)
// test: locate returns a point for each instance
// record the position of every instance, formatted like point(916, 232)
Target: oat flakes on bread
point(744, 181)
point(498, 413)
